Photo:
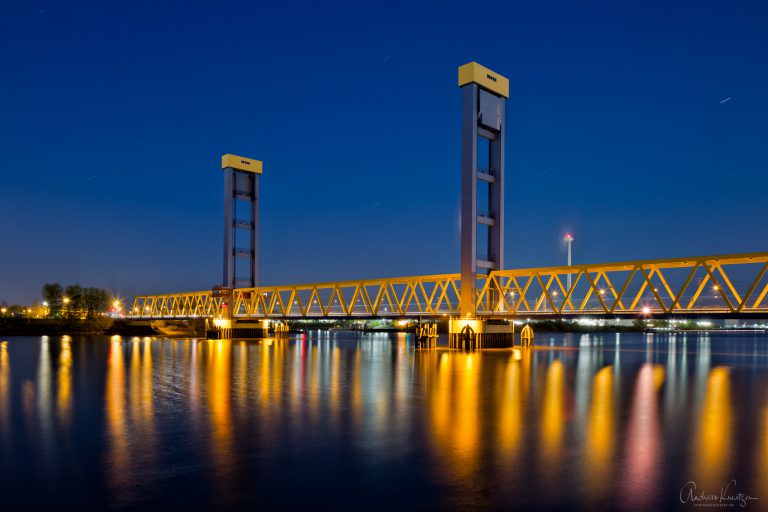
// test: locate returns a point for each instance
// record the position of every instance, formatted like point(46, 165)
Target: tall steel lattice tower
point(241, 221)
point(484, 99)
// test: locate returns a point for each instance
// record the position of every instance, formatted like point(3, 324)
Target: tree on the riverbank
point(95, 301)
point(53, 293)
point(74, 301)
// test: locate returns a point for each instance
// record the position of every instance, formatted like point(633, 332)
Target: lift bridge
point(484, 292)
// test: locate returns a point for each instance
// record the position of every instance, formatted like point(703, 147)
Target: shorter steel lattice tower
point(241, 221)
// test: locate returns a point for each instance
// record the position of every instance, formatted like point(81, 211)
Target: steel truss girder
point(524, 292)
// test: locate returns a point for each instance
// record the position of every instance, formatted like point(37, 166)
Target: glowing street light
point(568, 238)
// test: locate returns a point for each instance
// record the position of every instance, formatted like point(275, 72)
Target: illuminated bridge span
point(731, 284)
point(484, 293)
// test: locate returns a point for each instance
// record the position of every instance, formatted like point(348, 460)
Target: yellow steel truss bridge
point(734, 285)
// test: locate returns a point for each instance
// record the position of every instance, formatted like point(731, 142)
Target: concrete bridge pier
point(470, 334)
point(234, 328)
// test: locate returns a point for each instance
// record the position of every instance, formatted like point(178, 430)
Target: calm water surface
point(368, 422)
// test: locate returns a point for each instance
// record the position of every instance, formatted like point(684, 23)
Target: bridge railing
point(719, 284)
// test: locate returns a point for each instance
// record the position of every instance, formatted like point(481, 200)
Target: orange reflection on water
point(643, 451)
point(334, 387)
point(599, 446)
point(134, 382)
point(712, 448)
point(219, 389)
point(454, 409)
point(241, 357)
point(357, 389)
point(466, 415)
point(118, 453)
point(511, 407)
point(553, 417)
point(141, 398)
point(5, 390)
point(64, 398)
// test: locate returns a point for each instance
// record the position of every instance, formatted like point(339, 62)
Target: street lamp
point(568, 238)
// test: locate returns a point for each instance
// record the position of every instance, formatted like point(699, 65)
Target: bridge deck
point(731, 285)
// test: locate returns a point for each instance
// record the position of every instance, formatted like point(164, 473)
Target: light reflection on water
point(585, 421)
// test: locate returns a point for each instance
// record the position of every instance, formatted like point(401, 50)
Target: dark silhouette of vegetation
point(74, 301)
point(64, 310)
point(53, 293)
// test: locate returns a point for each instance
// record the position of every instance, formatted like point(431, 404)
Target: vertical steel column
point(496, 195)
point(468, 198)
point(255, 232)
point(241, 184)
point(484, 97)
point(228, 280)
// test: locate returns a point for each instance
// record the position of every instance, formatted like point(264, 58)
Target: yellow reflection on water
point(147, 403)
point(643, 451)
point(5, 390)
point(599, 444)
point(118, 453)
point(218, 385)
point(712, 447)
point(64, 398)
point(241, 357)
point(511, 408)
point(134, 383)
point(553, 414)
point(357, 389)
point(466, 416)
point(454, 411)
point(141, 397)
point(334, 388)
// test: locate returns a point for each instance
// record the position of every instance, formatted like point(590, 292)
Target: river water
point(369, 422)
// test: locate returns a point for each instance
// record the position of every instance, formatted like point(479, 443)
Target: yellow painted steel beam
point(241, 163)
point(438, 294)
point(484, 77)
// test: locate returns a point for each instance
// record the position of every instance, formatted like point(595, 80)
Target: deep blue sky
point(113, 117)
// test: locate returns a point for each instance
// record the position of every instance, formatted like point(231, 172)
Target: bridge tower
point(484, 98)
point(241, 221)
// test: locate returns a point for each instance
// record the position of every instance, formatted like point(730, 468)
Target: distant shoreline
point(10, 326)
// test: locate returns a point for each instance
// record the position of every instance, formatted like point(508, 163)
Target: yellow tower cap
point(484, 77)
point(240, 163)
